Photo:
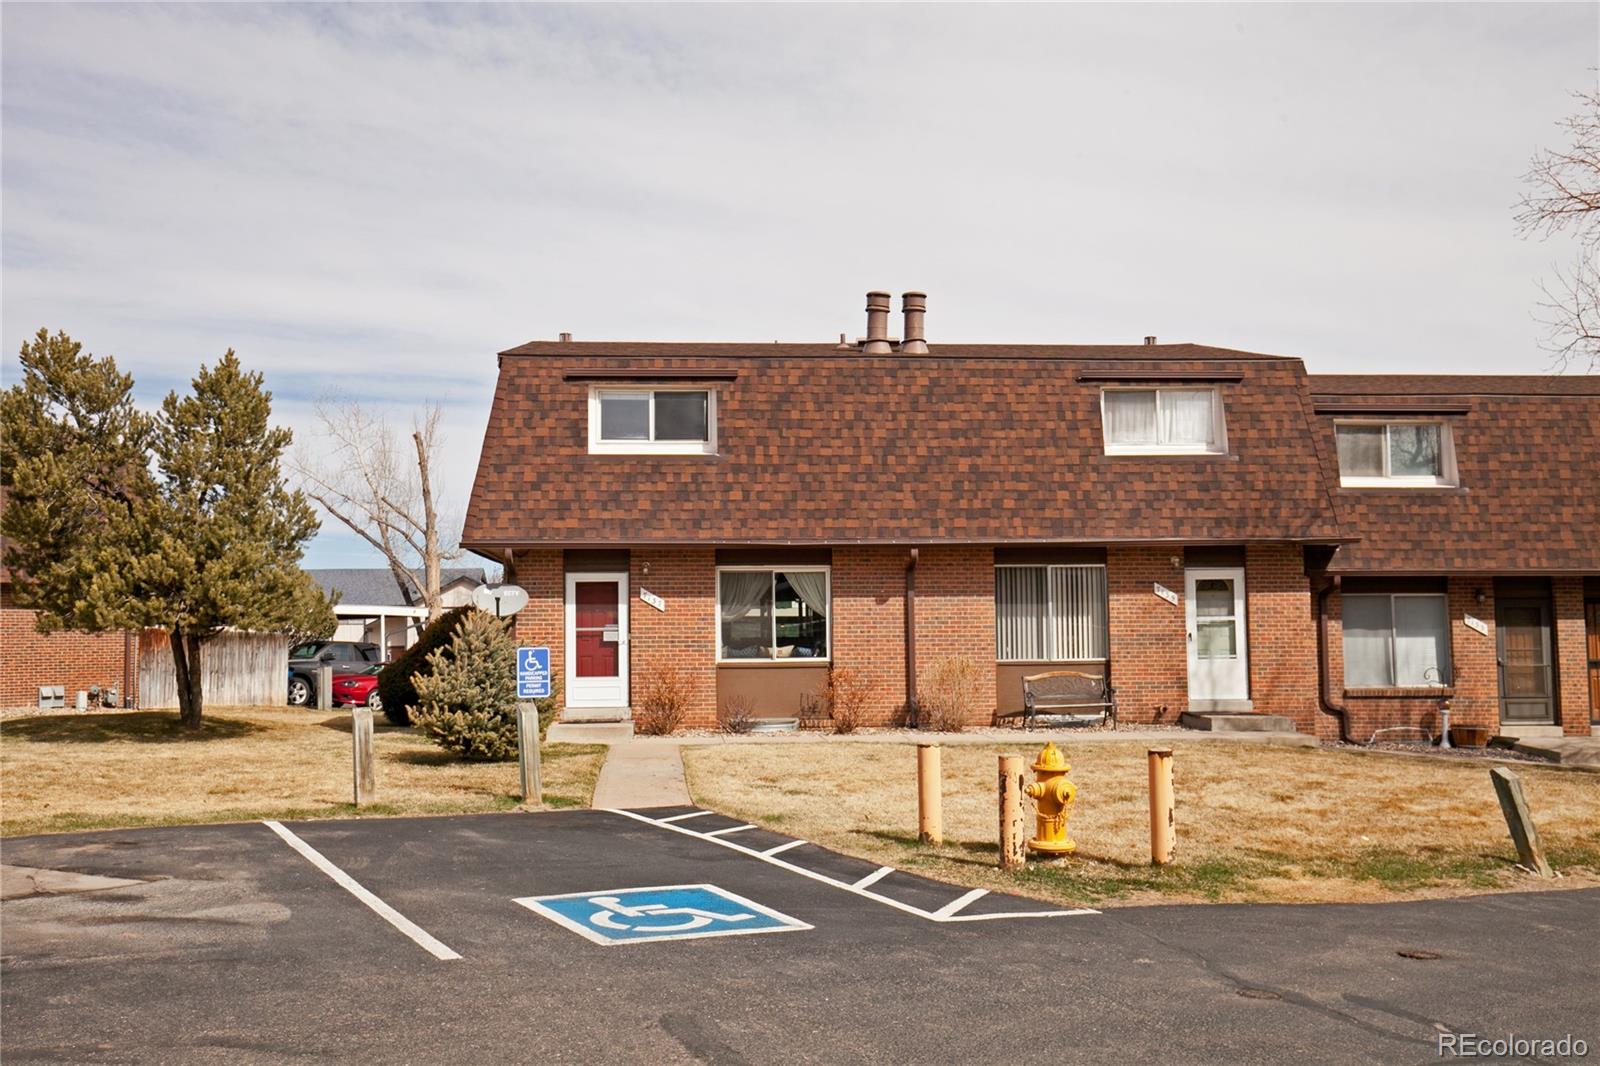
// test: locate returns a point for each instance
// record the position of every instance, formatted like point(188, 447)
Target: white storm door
point(1219, 668)
point(597, 640)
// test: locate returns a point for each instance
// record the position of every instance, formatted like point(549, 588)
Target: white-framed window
point(1175, 421)
point(653, 421)
point(771, 614)
point(1396, 640)
point(1054, 613)
point(1409, 453)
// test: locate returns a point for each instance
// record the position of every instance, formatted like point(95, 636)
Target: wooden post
point(361, 754)
point(1508, 786)
point(325, 687)
point(1013, 830)
point(528, 752)
point(1163, 831)
point(930, 798)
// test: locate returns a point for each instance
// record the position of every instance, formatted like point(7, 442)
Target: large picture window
point(1162, 421)
point(1050, 613)
point(644, 421)
point(1400, 640)
point(771, 614)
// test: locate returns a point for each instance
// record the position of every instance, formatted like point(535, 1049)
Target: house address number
point(1166, 593)
point(653, 600)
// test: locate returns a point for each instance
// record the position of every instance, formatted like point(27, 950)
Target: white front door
point(1219, 669)
point(597, 640)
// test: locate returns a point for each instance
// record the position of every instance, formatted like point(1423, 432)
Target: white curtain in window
point(1367, 631)
point(743, 591)
point(812, 586)
point(1186, 416)
point(1019, 613)
point(1421, 641)
point(1130, 416)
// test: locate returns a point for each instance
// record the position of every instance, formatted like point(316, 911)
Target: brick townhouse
point(1216, 529)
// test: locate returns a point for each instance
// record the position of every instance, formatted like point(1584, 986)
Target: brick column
point(1571, 655)
point(1282, 629)
point(1149, 652)
point(867, 624)
point(683, 636)
point(543, 622)
point(955, 617)
point(1475, 668)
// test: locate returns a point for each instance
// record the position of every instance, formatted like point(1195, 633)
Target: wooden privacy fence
point(237, 670)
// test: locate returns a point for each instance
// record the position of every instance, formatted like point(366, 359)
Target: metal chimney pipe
point(915, 307)
point(1149, 340)
point(877, 325)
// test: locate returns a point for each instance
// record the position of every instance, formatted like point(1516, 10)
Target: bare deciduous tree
point(1564, 197)
point(381, 487)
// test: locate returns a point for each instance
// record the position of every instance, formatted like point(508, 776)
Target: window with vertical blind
point(1050, 613)
point(1399, 639)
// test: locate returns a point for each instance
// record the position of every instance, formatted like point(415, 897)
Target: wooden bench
point(1067, 697)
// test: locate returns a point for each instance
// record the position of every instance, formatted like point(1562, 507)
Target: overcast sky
point(372, 201)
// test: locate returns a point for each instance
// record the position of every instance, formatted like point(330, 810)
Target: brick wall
point(684, 636)
point(955, 617)
point(1149, 650)
point(1572, 656)
point(71, 659)
point(868, 622)
point(1282, 630)
point(543, 622)
point(1474, 693)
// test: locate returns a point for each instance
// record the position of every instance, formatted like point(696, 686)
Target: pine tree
point(468, 703)
point(119, 520)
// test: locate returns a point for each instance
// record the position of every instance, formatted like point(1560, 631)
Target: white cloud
point(376, 199)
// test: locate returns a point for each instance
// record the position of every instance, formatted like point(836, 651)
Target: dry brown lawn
point(1254, 822)
point(93, 771)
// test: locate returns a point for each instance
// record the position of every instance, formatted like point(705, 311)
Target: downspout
point(1328, 706)
point(911, 639)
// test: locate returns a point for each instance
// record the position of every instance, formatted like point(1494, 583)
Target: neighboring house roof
point(970, 443)
point(378, 586)
point(1528, 453)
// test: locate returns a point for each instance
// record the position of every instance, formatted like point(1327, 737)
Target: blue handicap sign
point(667, 912)
point(533, 673)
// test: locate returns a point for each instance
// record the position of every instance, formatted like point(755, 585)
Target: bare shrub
point(847, 696)
point(738, 714)
point(665, 704)
point(948, 697)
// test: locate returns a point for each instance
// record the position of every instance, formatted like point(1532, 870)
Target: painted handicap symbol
point(665, 912)
point(614, 906)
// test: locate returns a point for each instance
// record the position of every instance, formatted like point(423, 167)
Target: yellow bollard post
point(1013, 842)
point(930, 813)
point(1163, 832)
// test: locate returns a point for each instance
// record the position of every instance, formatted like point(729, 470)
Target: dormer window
point(654, 421)
point(1395, 455)
point(1163, 422)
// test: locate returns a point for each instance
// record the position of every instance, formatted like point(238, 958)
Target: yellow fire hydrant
point(1055, 795)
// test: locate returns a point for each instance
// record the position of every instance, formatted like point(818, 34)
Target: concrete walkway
point(1568, 751)
point(639, 773)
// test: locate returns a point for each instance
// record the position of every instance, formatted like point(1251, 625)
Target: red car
point(359, 688)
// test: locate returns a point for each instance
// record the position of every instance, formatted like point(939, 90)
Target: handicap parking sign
point(667, 912)
point(533, 673)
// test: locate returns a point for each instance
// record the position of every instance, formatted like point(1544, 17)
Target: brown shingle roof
point(981, 443)
point(1528, 453)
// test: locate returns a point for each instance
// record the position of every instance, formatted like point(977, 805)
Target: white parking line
point(421, 936)
point(875, 876)
point(686, 817)
point(730, 829)
point(947, 913)
point(781, 848)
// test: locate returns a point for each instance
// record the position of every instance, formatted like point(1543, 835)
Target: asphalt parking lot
point(522, 938)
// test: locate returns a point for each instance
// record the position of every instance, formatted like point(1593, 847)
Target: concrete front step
point(1235, 722)
point(596, 714)
point(588, 732)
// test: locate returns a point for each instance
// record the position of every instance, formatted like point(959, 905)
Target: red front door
point(596, 628)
